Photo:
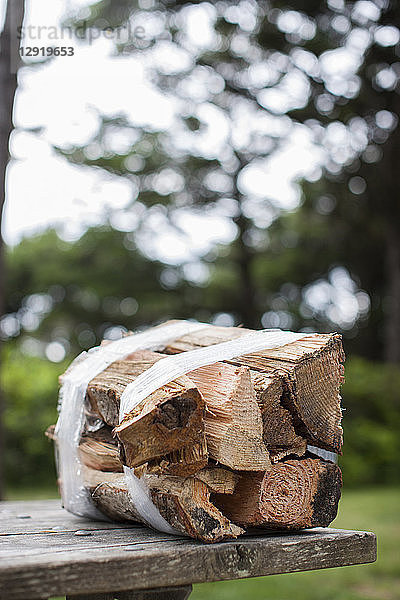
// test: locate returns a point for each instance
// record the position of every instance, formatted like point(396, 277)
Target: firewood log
point(305, 375)
point(293, 494)
point(99, 450)
point(280, 433)
point(232, 420)
point(233, 424)
point(183, 462)
point(169, 419)
point(183, 502)
point(102, 456)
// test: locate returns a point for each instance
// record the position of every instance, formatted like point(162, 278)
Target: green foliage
point(100, 281)
point(30, 388)
point(371, 397)
point(366, 510)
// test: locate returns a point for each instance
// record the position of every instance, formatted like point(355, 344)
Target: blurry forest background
point(249, 82)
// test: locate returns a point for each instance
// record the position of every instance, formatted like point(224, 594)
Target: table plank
point(43, 556)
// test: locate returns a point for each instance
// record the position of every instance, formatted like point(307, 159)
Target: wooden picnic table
point(46, 552)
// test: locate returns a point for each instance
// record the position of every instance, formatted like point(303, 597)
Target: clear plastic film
point(73, 392)
point(71, 419)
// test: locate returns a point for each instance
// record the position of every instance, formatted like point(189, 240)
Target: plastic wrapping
point(72, 396)
point(71, 420)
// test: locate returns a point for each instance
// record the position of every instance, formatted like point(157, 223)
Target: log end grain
point(294, 494)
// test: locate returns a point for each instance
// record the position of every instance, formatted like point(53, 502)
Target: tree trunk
point(392, 308)
point(247, 301)
point(248, 313)
point(8, 85)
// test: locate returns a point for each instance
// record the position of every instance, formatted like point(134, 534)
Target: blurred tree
point(236, 71)
point(14, 12)
point(66, 296)
point(372, 419)
point(30, 407)
point(351, 216)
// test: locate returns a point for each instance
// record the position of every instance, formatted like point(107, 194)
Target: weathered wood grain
point(233, 422)
point(47, 563)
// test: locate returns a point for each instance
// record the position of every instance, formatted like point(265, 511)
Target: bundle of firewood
point(224, 447)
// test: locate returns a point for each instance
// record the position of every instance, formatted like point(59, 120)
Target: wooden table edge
point(129, 569)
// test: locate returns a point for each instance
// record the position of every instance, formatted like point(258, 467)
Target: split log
point(305, 375)
point(169, 419)
point(280, 433)
point(233, 423)
point(183, 502)
point(294, 494)
point(218, 479)
point(183, 462)
point(99, 455)
point(97, 450)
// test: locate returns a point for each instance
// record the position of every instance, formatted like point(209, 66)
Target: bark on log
point(294, 494)
point(306, 375)
point(183, 502)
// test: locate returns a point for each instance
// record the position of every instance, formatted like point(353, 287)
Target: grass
point(365, 509)
point(32, 493)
